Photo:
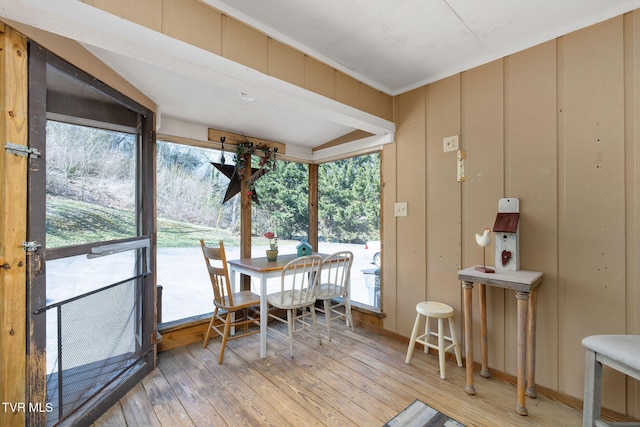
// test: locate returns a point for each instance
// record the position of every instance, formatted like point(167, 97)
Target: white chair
point(620, 352)
point(333, 288)
point(440, 311)
point(297, 295)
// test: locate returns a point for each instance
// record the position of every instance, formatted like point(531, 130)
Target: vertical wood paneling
point(244, 44)
point(285, 63)
point(319, 77)
point(201, 25)
point(13, 224)
point(348, 90)
point(389, 235)
point(410, 238)
point(482, 114)
point(205, 24)
point(147, 13)
point(443, 195)
point(386, 107)
point(592, 198)
point(530, 165)
point(564, 142)
point(371, 100)
point(632, 169)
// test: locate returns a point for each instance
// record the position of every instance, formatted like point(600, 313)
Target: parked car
point(373, 249)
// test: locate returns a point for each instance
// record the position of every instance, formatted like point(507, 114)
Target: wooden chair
point(227, 304)
point(335, 275)
point(297, 295)
point(620, 352)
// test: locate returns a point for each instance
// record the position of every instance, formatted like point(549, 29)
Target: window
point(190, 192)
point(349, 219)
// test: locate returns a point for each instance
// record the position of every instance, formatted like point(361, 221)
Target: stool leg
point(592, 390)
point(456, 343)
point(427, 332)
point(441, 346)
point(412, 341)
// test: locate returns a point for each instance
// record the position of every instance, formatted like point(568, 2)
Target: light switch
point(451, 143)
point(401, 208)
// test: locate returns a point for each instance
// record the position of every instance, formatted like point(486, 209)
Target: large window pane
point(190, 192)
point(90, 184)
point(349, 219)
point(283, 209)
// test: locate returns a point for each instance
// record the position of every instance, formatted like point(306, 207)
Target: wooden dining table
point(261, 269)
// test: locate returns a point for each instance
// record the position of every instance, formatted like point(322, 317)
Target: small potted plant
point(272, 252)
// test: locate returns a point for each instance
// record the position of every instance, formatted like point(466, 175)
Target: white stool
point(439, 311)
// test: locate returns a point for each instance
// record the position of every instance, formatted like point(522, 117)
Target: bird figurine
point(484, 240)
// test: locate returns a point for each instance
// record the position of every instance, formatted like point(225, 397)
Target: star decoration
point(234, 180)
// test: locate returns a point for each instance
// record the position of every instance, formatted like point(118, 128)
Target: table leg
point(264, 318)
point(482, 296)
point(531, 344)
point(522, 302)
point(467, 288)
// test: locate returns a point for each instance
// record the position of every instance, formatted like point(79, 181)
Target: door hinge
point(155, 337)
point(31, 246)
point(22, 150)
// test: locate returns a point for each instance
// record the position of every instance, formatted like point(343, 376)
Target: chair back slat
point(335, 274)
point(299, 278)
point(216, 261)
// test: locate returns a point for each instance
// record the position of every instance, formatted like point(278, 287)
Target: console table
point(525, 284)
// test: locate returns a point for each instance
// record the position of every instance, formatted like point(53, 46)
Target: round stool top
point(434, 309)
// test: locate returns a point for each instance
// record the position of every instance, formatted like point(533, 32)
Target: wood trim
point(313, 206)
point(13, 225)
point(350, 137)
point(245, 224)
point(232, 139)
point(36, 231)
point(185, 332)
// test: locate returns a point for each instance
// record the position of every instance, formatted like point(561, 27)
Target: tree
point(284, 200)
point(349, 199)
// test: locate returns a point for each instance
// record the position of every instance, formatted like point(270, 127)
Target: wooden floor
point(357, 379)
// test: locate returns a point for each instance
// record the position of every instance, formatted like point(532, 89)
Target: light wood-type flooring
point(357, 379)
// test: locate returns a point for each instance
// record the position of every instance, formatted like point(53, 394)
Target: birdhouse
point(304, 248)
point(507, 235)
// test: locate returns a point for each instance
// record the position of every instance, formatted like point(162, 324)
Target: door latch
point(31, 246)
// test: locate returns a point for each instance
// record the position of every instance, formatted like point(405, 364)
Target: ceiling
point(391, 45)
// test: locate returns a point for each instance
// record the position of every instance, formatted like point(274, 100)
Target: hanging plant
point(243, 168)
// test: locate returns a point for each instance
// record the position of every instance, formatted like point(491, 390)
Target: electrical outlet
point(401, 208)
point(451, 143)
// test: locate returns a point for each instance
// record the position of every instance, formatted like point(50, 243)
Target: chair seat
point(622, 348)
point(324, 291)
point(241, 300)
point(286, 299)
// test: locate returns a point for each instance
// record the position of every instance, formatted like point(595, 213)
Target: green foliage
point(71, 222)
point(284, 201)
point(349, 199)
point(97, 167)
